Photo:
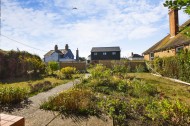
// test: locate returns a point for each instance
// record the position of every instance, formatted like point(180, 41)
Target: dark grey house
point(105, 53)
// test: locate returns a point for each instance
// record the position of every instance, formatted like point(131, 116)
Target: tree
point(178, 4)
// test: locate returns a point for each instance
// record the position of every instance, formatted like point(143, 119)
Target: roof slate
point(105, 49)
point(61, 52)
point(167, 43)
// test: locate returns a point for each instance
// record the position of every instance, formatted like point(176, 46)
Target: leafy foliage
point(178, 4)
point(40, 87)
point(15, 64)
point(53, 66)
point(123, 99)
point(10, 95)
point(68, 72)
point(176, 67)
point(75, 101)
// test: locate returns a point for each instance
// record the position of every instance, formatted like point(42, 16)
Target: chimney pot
point(66, 47)
point(56, 48)
point(77, 55)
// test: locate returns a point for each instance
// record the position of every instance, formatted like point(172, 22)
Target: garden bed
point(128, 99)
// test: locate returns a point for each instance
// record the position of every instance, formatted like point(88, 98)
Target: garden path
point(37, 117)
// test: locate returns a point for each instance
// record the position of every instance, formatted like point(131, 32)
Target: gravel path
point(37, 117)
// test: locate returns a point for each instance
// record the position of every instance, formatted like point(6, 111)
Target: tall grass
point(10, 95)
point(75, 101)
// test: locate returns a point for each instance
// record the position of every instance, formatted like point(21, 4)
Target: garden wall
point(129, 64)
point(81, 66)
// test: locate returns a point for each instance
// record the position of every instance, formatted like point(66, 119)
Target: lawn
point(24, 84)
point(168, 88)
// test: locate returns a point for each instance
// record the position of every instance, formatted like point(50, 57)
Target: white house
point(60, 55)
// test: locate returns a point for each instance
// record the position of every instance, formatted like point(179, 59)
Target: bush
point(18, 64)
point(100, 71)
point(138, 88)
point(165, 112)
point(119, 67)
point(175, 67)
point(40, 87)
point(140, 68)
point(53, 66)
point(68, 72)
point(10, 95)
point(75, 101)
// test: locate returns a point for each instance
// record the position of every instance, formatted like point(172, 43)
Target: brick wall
point(81, 66)
point(161, 54)
point(129, 64)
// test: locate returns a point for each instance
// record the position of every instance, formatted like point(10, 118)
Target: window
point(104, 53)
point(113, 53)
point(179, 49)
point(95, 54)
point(151, 56)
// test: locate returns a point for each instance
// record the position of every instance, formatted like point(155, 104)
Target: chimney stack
point(56, 48)
point(66, 47)
point(174, 23)
point(77, 55)
point(131, 53)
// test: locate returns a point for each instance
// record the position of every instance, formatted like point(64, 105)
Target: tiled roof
point(105, 49)
point(61, 52)
point(167, 43)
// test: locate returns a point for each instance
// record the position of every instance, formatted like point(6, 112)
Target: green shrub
point(119, 67)
point(75, 101)
point(138, 88)
point(52, 66)
point(40, 87)
point(116, 108)
point(68, 72)
point(165, 112)
point(100, 71)
point(175, 67)
point(10, 95)
point(140, 68)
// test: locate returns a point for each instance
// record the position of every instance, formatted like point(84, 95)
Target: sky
point(37, 26)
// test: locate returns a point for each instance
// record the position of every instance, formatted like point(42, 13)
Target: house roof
point(136, 56)
point(61, 52)
point(105, 49)
point(168, 43)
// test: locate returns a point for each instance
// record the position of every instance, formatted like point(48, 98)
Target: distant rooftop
point(105, 49)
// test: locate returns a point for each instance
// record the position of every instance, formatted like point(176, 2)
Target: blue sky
point(134, 25)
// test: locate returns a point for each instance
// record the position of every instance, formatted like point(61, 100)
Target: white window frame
point(178, 49)
point(104, 53)
point(113, 53)
point(151, 56)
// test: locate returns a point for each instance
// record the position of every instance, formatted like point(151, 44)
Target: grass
point(24, 84)
point(167, 87)
point(14, 93)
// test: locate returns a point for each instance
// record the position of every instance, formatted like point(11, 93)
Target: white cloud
point(94, 23)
